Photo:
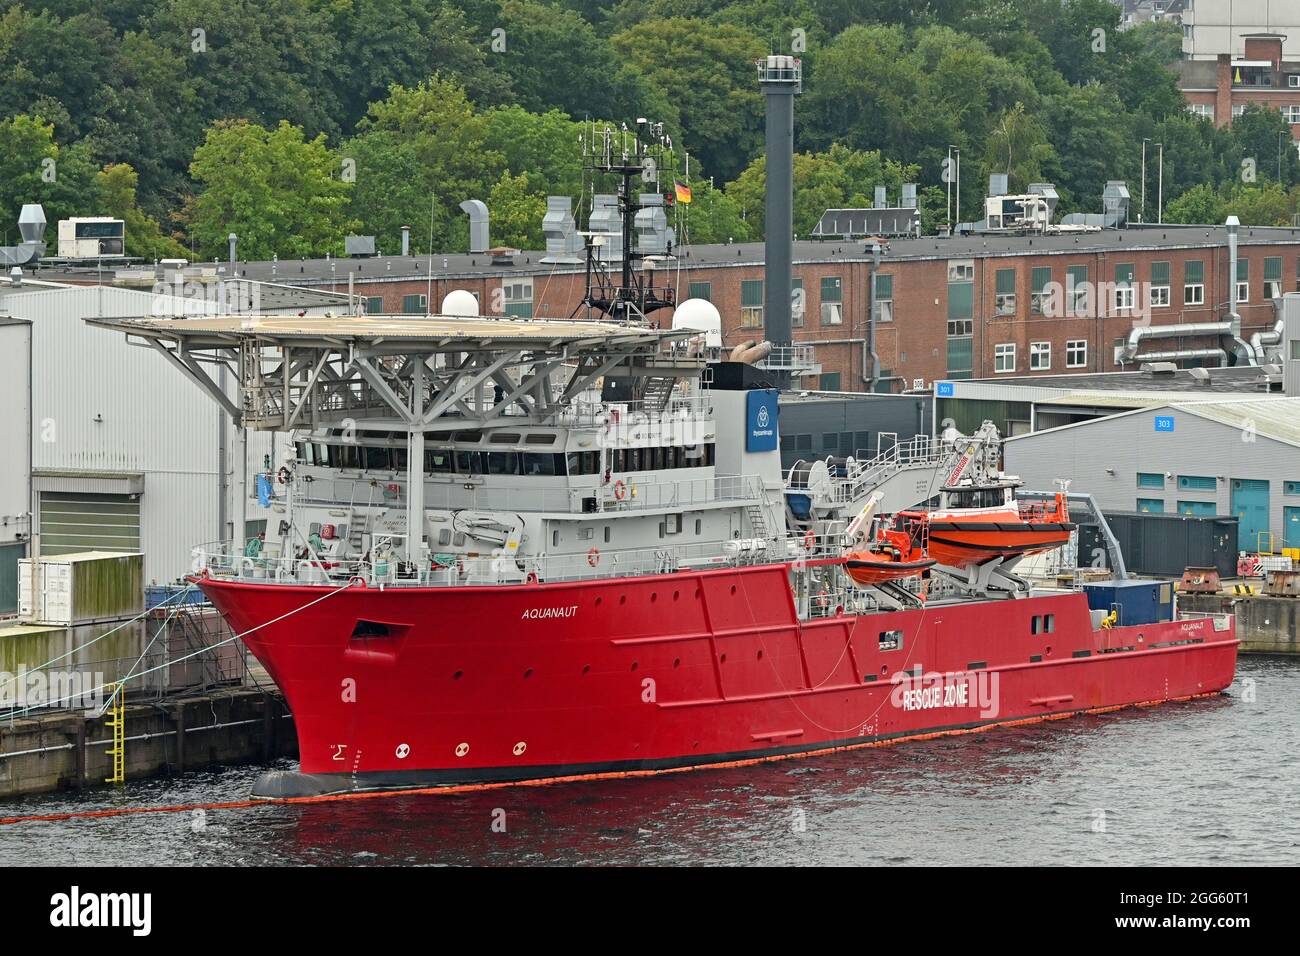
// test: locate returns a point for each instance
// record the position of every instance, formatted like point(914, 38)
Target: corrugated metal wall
point(15, 429)
point(100, 404)
point(1129, 444)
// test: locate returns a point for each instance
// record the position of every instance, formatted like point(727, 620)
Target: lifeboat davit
point(890, 557)
point(968, 537)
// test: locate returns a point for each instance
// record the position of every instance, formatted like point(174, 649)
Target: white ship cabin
point(605, 488)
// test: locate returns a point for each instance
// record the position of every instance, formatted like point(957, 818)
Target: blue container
point(156, 594)
point(1136, 601)
point(800, 504)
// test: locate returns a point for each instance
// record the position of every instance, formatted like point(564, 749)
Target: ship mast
point(643, 154)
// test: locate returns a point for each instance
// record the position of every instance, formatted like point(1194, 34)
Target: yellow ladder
point(117, 723)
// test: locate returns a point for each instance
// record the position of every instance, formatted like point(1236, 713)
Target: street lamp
point(1160, 187)
point(1142, 216)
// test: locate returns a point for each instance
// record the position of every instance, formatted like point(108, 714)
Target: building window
point(415, 304)
point(1203, 110)
point(1040, 356)
point(1004, 357)
point(1159, 297)
point(1273, 277)
point(1123, 286)
point(1197, 508)
point(518, 295)
point(884, 298)
point(1291, 487)
point(1194, 282)
point(1153, 506)
point(1040, 300)
point(961, 308)
point(374, 305)
point(1151, 479)
point(700, 290)
point(832, 301)
point(1004, 302)
point(1291, 113)
point(961, 270)
point(798, 302)
point(1076, 290)
point(1243, 280)
point(751, 304)
point(1196, 483)
point(1076, 353)
point(1238, 110)
point(830, 381)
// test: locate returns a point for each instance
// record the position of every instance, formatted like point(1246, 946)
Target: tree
point(144, 237)
point(419, 154)
point(1200, 204)
point(387, 42)
point(707, 74)
point(517, 212)
point(838, 178)
point(556, 60)
point(35, 169)
point(1261, 134)
point(1018, 147)
point(543, 145)
point(278, 191)
point(1093, 138)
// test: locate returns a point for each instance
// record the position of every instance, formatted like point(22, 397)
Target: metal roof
point(1233, 379)
point(440, 330)
point(1276, 418)
point(335, 272)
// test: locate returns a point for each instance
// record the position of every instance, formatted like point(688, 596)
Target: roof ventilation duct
point(606, 223)
point(478, 224)
point(31, 229)
point(997, 184)
point(651, 225)
point(563, 244)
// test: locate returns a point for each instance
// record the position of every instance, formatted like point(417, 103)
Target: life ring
point(809, 540)
point(531, 578)
point(620, 491)
point(593, 557)
point(283, 474)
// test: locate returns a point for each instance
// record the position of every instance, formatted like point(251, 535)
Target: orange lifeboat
point(890, 557)
point(959, 537)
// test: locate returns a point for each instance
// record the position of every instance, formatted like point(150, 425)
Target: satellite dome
point(700, 315)
point(459, 302)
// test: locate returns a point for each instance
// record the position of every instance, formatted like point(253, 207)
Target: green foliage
point(35, 169)
point(419, 154)
point(278, 191)
point(438, 101)
point(144, 237)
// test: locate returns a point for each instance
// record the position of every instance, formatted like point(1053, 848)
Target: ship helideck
point(507, 550)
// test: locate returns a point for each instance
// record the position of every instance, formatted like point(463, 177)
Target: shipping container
point(1165, 544)
point(81, 588)
point(1134, 600)
point(42, 665)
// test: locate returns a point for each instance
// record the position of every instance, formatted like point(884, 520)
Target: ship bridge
point(417, 374)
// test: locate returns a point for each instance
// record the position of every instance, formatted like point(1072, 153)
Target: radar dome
point(700, 315)
point(459, 302)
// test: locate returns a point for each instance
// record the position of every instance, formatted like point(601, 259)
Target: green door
point(1250, 505)
point(9, 555)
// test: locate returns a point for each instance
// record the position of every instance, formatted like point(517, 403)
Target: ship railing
point(222, 561)
point(696, 405)
point(622, 493)
point(862, 476)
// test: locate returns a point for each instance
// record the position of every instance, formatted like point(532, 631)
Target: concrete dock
point(1265, 625)
point(221, 727)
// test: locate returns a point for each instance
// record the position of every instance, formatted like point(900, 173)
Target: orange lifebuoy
point(531, 578)
point(593, 557)
point(620, 490)
point(809, 540)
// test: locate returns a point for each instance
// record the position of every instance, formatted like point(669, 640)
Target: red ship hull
point(512, 683)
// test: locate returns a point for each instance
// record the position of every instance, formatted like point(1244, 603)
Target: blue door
point(1250, 505)
point(1291, 527)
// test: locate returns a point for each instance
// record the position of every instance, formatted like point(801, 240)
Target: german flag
point(682, 191)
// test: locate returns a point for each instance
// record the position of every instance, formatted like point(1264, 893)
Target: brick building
point(1220, 89)
point(947, 308)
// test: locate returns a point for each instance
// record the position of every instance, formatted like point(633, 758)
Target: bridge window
point(503, 463)
point(377, 459)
